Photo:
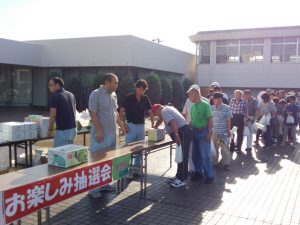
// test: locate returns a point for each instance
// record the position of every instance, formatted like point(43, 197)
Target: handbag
point(178, 153)
point(289, 119)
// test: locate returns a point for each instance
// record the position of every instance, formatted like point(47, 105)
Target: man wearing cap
point(202, 130)
point(221, 129)
point(216, 87)
point(180, 132)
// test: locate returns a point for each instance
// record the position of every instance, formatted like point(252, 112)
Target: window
point(240, 51)
point(285, 50)
point(203, 52)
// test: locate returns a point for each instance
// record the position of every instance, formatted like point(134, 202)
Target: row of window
point(250, 51)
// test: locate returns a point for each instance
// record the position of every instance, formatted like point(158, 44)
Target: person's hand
point(177, 139)
point(208, 137)
point(50, 133)
point(100, 136)
point(126, 127)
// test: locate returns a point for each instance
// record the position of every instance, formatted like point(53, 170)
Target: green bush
point(97, 81)
point(166, 87)
point(125, 87)
point(178, 94)
point(186, 84)
point(154, 88)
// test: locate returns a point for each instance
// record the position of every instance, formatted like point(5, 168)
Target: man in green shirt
point(202, 129)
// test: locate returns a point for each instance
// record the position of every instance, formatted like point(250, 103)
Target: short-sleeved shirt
point(291, 109)
point(135, 110)
point(105, 105)
point(187, 110)
point(200, 113)
point(252, 106)
point(265, 108)
point(169, 113)
point(64, 103)
point(238, 107)
point(220, 118)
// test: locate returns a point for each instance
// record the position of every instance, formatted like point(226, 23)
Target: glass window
point(221, 53)
point(257, 53)
point(290, 53)
point(22, 86)
point(277, 53)
point(245, 54)
point(204, 52)
point(233, 54)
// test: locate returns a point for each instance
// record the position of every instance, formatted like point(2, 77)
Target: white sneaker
point(95, 193)
point(177, 183)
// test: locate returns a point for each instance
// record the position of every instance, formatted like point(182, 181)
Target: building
point(256, 58)
point(25, 67)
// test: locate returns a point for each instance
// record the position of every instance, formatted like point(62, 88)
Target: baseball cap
point(155, 107)
point(215, 84)
point(194, 87)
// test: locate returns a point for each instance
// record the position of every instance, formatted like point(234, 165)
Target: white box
point(156, 134)
point(30, 134)
point(30, 126)
point(67, 155)
point(17, 136)
point(12, 127)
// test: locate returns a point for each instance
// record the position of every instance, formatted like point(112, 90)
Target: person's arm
point(151, 118)
point(121, 124)
point(123, 118)
point(97, 125)
point(174, 128)
point(209, 128)
point(52, 118)
point(158, 123)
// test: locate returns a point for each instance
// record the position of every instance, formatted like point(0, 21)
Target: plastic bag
point(268, 119)
point(178, 153)
point(213, 152)
point(289, 119)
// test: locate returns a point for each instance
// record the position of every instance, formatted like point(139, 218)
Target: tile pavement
point(260, 188)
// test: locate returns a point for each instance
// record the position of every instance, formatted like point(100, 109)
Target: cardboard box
point(156, 134)
point(30, 126)
point(12, 127)
point(67, 155)
point(30, 134)
point(17, 136)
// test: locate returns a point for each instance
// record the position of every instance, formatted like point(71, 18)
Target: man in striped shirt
point(180, 132)
point(221, 129)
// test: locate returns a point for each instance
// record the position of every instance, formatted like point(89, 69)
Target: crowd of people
point(204, 122)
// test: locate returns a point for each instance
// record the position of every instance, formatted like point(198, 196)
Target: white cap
point(194, 87)
point(215, 84)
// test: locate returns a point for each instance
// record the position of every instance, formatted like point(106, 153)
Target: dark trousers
point(186, 136)
point(238, 121)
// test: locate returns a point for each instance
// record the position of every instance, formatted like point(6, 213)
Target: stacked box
point(67, 155)
point(43, 127)
point(156, 134)
point(30, 130)
point(13, 131)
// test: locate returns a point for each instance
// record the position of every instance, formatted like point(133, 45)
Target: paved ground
point(260, 188)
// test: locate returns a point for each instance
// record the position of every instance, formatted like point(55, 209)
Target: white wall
point(19, 53)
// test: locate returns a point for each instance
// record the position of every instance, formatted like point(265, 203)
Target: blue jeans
point(267, 137)
point(64, 137)
point(136, 132)
point(201, 153)
point(109, 141)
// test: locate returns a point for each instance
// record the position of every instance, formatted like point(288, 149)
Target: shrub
point(166, 87)
point(178, 95)
point(186, 84)
point(125, 88)
point(154, 88)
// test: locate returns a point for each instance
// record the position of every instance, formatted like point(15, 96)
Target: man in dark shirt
point(62, 112)
point(133, 111)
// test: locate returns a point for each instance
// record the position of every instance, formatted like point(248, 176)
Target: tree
point(126, 87)
point(166, 87)
point(98, 81)
point(178, 95)
point(154, 88)
point(186, 84)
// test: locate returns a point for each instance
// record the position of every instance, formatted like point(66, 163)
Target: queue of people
point(203, 123)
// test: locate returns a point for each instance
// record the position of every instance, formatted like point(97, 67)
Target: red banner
point(21, 201)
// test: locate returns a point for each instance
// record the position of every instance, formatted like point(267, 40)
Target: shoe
point(248, 149)
point(226, 167)
point(196, 176)
point(209, 180)
point(238, 151)
point(177, 183)
point(107, 188)
point(95, 193)
point(171, 179)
